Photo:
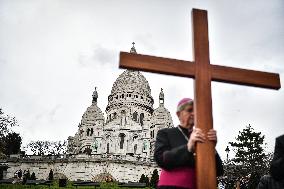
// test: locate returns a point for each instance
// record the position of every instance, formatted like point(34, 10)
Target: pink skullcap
point(183, 102)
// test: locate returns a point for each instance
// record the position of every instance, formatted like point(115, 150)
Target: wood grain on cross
point(203, 72)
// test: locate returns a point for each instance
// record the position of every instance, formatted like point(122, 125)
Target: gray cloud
point(104, 56)
point(53, 54)
point(98, 56)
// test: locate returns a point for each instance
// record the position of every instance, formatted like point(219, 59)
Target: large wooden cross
point(203, 72)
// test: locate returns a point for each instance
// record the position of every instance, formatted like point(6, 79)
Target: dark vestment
point(268, 182)
point(171, 151)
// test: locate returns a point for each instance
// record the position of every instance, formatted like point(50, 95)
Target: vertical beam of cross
point(205, 159)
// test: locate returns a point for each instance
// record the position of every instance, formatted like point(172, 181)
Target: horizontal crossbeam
point(187, 69)
point(157, 64)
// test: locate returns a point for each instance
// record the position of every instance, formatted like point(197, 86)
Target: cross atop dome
point(133, 50)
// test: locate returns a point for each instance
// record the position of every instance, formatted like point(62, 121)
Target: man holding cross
point(175, 149)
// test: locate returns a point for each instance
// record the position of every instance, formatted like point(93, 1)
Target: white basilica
point(131, 123)
point(118, 145)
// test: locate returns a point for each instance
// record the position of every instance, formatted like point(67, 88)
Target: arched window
point(95, 146)
point(88, 150)
point(121, 136)
point(135, 116)
point(92, 131)
point(152, 134)
point(108, 148)
point(144, 145)
point(114, 115)
point(88, 132)
point(135, 148)
point(123, 118)
point(141, 118)
point(134, 137)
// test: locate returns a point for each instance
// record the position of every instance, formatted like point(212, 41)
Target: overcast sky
point(53, 54)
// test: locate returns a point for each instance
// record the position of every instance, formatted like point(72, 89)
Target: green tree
point(154, 179)
point(142, 178)
point(249, 163)
point(6, 124)
point(147, 181)
point(12, 143)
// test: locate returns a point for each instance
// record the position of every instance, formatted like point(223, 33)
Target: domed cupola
point(131, 88)
point(130, 104)
point(93, 115)
point(131, 82)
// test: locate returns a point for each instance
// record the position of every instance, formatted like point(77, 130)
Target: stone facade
point(131, 121)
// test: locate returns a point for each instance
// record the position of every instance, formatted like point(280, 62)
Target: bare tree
point(58, 147)
point(47, 147)
point(39, 147)
point(6, 123)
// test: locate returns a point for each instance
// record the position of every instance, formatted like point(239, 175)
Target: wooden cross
point(203, 72)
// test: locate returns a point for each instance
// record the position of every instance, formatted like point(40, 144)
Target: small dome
point(131, 81)
point(162, 117)
point(92, 115)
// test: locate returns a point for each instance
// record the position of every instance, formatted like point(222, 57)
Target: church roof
point(162, 116)
point(92, 114)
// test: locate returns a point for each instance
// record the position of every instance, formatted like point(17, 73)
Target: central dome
point(131, 81)
point(130, 89)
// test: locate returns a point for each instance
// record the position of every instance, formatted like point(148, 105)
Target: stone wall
point(81, 167)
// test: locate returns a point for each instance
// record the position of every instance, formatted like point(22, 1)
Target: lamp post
point(227, 151)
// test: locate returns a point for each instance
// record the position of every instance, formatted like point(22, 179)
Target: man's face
point(186, 117)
